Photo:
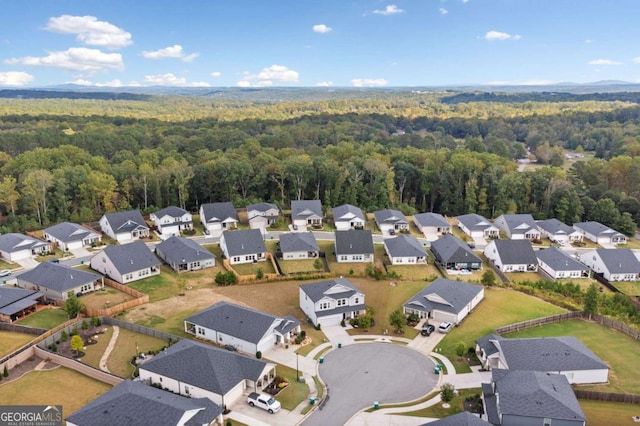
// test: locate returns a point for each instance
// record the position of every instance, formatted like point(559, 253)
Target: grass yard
point(128, 345)
point(10, 340)
point(317, 338)
point(56, 254)
point(518, 277)
point(609, 413)
point(6, 265)
point(105, 298)
point(169, 283)
point(295, 393)
point(173, 323)
point(499, 307)
point(438, 411)
point(252, 268)
point(46, 318)
point(632, 243)
point(619, 351)
point(63, 387)
point(298, 266)
point(630, 288)
point(94, 353)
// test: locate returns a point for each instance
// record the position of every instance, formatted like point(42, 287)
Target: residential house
point(445, 301)
point(56, 281)
point(14, 247)
point(563, 355)
point(243, 246)
point(347, 217)
point(518, 226)
point(126, 263)
point(517, 398)
point(329, 302)
point(557, 264)
point(432, 225)
point(218, 217)
point(262, 215)
point(197, 370)
point(243, 328)
point(461, 419)
point(306, 213)
point(354, 245)
point(16, 303)
point(133, 403)
point(613, 264)
point(183, 254)
point(71, 236)
point(600, 234)
point(391, 221)
point(405, 250)
point(558, 232)
point(124, 227)
point(299, 245)
point(172, 221)
point(454, 255)
point(512, 255)
point(477, 226)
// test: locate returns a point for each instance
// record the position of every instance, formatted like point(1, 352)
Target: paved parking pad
point(360, 374)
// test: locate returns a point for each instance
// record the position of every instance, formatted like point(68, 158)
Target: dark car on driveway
point(427, 330)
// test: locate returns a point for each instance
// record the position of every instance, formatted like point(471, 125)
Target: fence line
point(607, 396)
point(519, 326)
point(22, 328)
point(78, 366)
point(140, 299)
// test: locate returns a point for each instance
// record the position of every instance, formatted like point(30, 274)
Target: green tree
point(591, 300)
point(35, 185)
point(76, 344)
point(626, 225)
point(447, 392)
point(73, 306)
point(488, 278)
point(9, 195)
point(460, 349)
point(397, 320)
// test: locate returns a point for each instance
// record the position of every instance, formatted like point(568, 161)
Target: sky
point(307, 43)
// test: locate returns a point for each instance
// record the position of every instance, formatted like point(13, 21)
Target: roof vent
point(131, 261)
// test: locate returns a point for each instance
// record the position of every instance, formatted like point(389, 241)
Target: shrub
point(460, 349)
point(343, 323)
point(64, 336)
point(317, 264)
point(96, 322)
point(364, 321)
point(85, 325)
point(303, 334)
point(488, 278)
point(5, 373)
point(447, 392)
point(351, 271)
point(259, 274)
point(318, 326)
point(298, 339)
point(226, 278)
point(53, 347)
point(258, 354)
point(74, 331)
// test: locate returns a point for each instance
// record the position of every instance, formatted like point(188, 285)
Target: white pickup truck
point(266, 402)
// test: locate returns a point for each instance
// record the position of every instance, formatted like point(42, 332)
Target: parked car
point(5, 272)
point(266, 402)
point(55, 261)
point(427, 330)
point(445, 327)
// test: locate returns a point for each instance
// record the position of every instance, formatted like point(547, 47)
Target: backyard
point(608, 413)
point(104, 298)
point(630, 288)
point(45, 318)
point(10, 340)
point(170, 284)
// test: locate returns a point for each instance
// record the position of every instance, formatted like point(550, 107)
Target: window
point(236, 259)
point(342, 302)
point(324, 305)
point(343, 258)
point(356, 300)
point(546, 422)
point(186, 390)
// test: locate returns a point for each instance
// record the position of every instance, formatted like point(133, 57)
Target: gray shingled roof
point(134, 403)
point(431, 219)
point(389, 216)
point(301, 209)
point(341, 211)
point(461, 419)
point(555, 227)
point(125, 221)
point(486, 343)
point(209, 368)
point(448, 249)
point(619, 261)
point(596, 228)
point(68, 232)
point(262, 207)
point(516, 252)
point(404, 246)
point(534, 394)
point(219, 212)
point(519, 223)
point(13, 299)
point(298, 241)
point(559, 260)
point(132, 257)
point(317, 291)
point(248, 241)
point(474, 222)
point(171, 211)
point(12, 242)
point(58, 277)
point(183, 250)
point(444, 295)
point(238, 321)
point(354, 241)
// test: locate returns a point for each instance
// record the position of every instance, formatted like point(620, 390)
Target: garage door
point(330, 320)
point(19, 255)
point(234, 394)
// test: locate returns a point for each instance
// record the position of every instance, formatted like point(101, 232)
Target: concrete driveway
point(358, 375)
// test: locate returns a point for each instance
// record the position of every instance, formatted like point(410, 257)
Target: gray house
point(262, 215)
point(347, 217)
point(306, 213)
point(183, 254)
point(243, 246)
point(477, 226)
point(16, 303)
point(461, 419)
point(355, 245)
point(599, 233)
point(172, 220)
point(405, 250)
point(299, 245)
point(557, 264)
point(558, 232)
point(126, 263)
point(56, 281)
point(518, 226)
point(613, 264)
point(124, 227)
point(512, 255)
point(390, 221)
point(70, 236)
point(329, 302)
point(454, 255)
point(432, 225)
point(218, 217)
point(14, 247)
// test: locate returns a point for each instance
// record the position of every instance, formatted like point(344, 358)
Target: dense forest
point(74, 159)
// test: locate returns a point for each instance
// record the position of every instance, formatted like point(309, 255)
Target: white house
point(299, 245)
point(558, 232)
point(172, 221)
point(244, 246)
point(329, 302)
point(405, 250)
point(306, 213)
point(124, 227)
point(432, 225)
point(218, 217)
point(600, 234)
point(557, 264)
point(512, 255)
point(56, 281)
point(390, 221)
point(613, 264)
point(14, 247)
point(126, 263)
point(262, 215)
point(518, 226)
point(347, 217)
point(70, 236)
point(354, 245)
point(244, 328)
point(477, 226)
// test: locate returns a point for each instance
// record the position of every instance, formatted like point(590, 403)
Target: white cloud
point(321, 28)
point(369, 82)
point(532, 82)
point(391, 9)
point(604, 62)
point(15, 78)
point(216, 74)
point(497, 35)
point(324, 84)
point(80, 82)
point(636, 60)
point(443, 11)
point(588, 41)
point(243, 83)
point(112, 83)
point(171, 80)
point(75, 58)
point(465, 1)
point(173, 52)
point(266, 77)
point(90, 31)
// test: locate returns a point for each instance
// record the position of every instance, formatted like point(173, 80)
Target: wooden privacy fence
point(140, 298)
point(519, 326)
point(252, 277)
point(607, 396)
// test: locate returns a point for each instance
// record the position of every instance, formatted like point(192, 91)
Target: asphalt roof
point(444, 295)
point(431, 219)
point(12, 242)
point(404, 246)
point(209, 368)
point(182, 250)
point(518, 223)
point(125, 221)
point(134, 403)
point(389, 216)
point(461, 419)
point(248, 241)
point(558, 260)
point(347, 212)
point(619, 261)
point(301, 209)
point(298, 241)
point(554, 227)
point(595, 228)
point(354, 241)
point(171, 211)
point(68, 232)
point(14, 299)
point(58, 277)
point(262, 207)
point(474, 222)
point(132, 257)
point(336, 289)
point(515, 252)
point(219, 212)
point(449, 249)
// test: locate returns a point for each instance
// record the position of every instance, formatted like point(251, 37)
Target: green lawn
point(317, 338)
point(10, 341)
point(169, 283)
point(301, 265)
point(130, 343)
point(499, 307)
point(46, 318)
point(94, 353)
point(609, 413)
point(632, 243)
point(295, 393)
point(456, 405)
point(173, 323)
point(105, 298)
point(523, 276)
point(630, 288)
point(252, 268)
point(619, 351)
point(6, 265)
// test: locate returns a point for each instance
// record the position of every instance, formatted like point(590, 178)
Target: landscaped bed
point(457, 405)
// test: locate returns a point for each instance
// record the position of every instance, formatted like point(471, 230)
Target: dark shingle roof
point(449, 249)
point(58, 277)
point(519, 223)
point(596, 228)
point(301, 209)
point(68, 232)
point(461, 419)
point(619, 261)
point(555, 227)
point(244, 242)
point(125, 221)
point(13, 299)
point(348, 210)
point(486, 343)
point(182, 250)
point(298, 241)
point(212, 369)
point(444, 295)
point(405, 246)
point(317, 291)
point(389, 216)
point(474, 222)
point(134, 403)
point(171, 211)
point(12, 243)
point(354, 241)
point(559, 260)
point(219, 212)
point(516, 252)
point(132, 257)
point(431, 219)
point(262, 207)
